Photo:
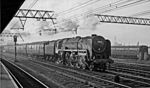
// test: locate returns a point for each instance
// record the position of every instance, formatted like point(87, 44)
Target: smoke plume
point(89, 23)
point(68, 25)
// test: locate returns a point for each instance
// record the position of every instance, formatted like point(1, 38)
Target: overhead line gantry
point(44, 15)
point(123, 20)
point(23, 14)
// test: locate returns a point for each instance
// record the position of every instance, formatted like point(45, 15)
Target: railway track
point(137, 72)
point(126, 81)
point(136, 66)
point(22, 78)
point(82, 77)
point(92, 79)
point(89, 80)
point(63, 80)
point(142, 78)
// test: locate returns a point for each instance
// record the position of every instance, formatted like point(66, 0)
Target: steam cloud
point(25, 34)
point(68, 25)
point(89, 23)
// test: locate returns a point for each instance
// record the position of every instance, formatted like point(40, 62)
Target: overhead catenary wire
point(123, 5)
point(33, 4)
point(79, 6)
point(103, 7)
point(114, 6)
point(117, 5)
point(146, 12)
point(89, 3)
point(106, 6)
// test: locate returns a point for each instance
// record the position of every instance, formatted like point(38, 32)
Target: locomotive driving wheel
point(103, 67)
point(91, 67)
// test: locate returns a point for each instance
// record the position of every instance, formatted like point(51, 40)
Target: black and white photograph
point(75, 44)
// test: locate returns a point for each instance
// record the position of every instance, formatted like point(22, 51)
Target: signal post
point(15, 40)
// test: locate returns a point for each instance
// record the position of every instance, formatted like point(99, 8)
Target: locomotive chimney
point(94, 35)
point(78, 36)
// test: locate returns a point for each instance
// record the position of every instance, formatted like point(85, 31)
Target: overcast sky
point(73, 14)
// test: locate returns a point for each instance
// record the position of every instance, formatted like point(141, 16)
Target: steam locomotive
point(91, 52)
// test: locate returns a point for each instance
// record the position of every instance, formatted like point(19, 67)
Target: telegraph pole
point(15, 40)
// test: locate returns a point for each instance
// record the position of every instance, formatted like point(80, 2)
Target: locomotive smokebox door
point(15, 38)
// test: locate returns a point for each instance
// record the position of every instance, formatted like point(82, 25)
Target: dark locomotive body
point(91, 52)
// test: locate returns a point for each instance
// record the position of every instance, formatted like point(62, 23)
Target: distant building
point(117, 44)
